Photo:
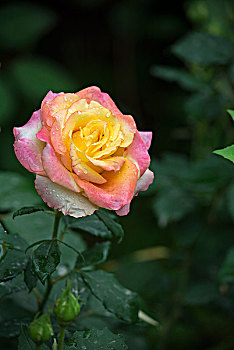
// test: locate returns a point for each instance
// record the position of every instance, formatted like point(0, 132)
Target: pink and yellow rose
point(85, 153)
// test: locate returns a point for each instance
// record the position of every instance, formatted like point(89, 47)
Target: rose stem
point(61, 337)
point(49, 280)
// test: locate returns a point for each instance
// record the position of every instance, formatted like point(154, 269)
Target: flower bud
point(40, 330)
point(67, 307)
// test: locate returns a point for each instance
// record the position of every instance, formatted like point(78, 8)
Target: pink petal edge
point(146, 137)
point(137, 152)
point(142, 185)
point(27, 146)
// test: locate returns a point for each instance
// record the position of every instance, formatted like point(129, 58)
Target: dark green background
point(116, 45)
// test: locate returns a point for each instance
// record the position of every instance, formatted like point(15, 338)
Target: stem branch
point(49, 279)
point(61, 337)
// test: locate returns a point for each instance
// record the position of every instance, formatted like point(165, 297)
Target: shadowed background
point(178, 234)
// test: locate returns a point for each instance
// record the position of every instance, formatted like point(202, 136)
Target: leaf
point(96, 339)
point(204, 49)
point(182, 77)
point(24, 342)
point(226, 273)
point(13, 241)
point(45, 259)
point(35, 76)
point(227, 152)
point(12, 264)
point(118, 300)
point(16, 191)
point(165, 209)
point(231, 113)
point(93, 256)
point(27, 210)
point(109, 220)
point(13, 286)
point(203, 105)
point(101, 224)
point(30, 277)
point(38, 227)
point(24, 23)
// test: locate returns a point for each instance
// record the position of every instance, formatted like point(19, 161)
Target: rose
point(85, 153)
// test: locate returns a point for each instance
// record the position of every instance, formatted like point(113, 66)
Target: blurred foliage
point(172, 67)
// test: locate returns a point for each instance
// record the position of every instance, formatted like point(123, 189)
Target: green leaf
point(12, 286)
point(93, 256)
point(16, 191)
point(12, 264)
point(24, 23)
point(35, 76)
point(30, 277)
point(227, 152)
point(180, 76)
point(226, 273)
point(13, 241)
point(109, 220)
point(45, 259)
point(96, 339)
point(231, 113)
point(204, 49)
point(101, 223)
point(118, 300)
point(25, 343)
point(165, 209)
point(27, 210)
point(203, 105)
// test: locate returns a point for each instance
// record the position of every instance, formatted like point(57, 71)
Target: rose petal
point(82, 169)
point(66, 201)
point(142, 185)
point(127, 122)
point(50, 96)
point(146, 137)
point(117, 191)
point(56, 171)
point(43, 135)
point(138, 153)
point(108, 164)
point(50, 108)
point(27, 146)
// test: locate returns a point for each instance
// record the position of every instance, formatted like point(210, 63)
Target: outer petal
point(138, 153)
point(127, 122)
point(56, 171)
point(117, 191)
point(142, 185)
point(27, 146)
point(66, 201)
point(146, 137)
point(50, 96)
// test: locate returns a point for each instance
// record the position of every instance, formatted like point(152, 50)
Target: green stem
point(56, 224)
point(49, 279)
point(61, 337)
point(46, 295)
point(37, 347)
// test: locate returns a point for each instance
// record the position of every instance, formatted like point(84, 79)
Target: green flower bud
point(67, 307)
point(40, 330)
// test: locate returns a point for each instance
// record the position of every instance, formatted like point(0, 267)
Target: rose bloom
point(85, 153)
